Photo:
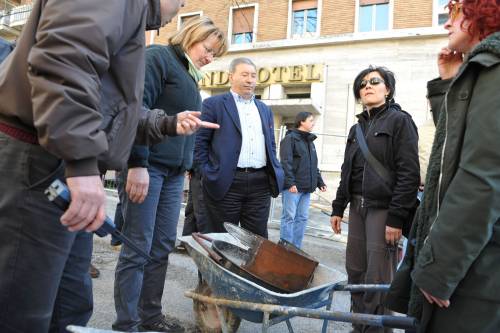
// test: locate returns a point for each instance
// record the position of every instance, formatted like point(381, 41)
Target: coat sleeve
point(155, 76)
point(204, 135)
point(72, 51)
point(469, 209)
point(321, 182)
point(404, 193)
point(286, 159)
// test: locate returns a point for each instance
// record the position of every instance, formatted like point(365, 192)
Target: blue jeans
point(151, 225)
point(45, 284)
point(294, 216)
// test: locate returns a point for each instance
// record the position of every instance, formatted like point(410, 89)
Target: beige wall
point(337, 17)
point(412, 14)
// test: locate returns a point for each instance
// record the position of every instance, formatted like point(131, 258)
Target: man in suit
point(240, 171)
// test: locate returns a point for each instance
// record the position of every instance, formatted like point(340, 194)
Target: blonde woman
point(155, 176)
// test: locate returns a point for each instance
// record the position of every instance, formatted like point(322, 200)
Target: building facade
point(309, 51)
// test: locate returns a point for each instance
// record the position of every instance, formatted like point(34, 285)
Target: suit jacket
point(217, 151)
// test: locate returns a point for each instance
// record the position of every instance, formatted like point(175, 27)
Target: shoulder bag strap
point(374, 163)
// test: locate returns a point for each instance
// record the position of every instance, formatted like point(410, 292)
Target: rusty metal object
point(231, 257)
point(285, 269)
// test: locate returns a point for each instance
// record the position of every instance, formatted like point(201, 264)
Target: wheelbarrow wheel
point(206, 316)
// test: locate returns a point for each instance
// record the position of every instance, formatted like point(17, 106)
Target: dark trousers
point(369, 260)
point(247, 203)
point(44, 266)
point(196, 218)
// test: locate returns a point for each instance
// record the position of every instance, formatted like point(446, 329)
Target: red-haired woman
point(456, 234)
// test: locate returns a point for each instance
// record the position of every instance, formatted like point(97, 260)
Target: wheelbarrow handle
point(198, 238)
point(362, 287)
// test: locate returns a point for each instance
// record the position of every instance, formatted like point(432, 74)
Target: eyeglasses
point(373, 82)
point(455, 8)
point(209, 51)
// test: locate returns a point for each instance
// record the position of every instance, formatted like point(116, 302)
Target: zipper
point(370, 123)
point(441, 166)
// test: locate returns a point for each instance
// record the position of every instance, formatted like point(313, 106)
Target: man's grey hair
point(238, 61)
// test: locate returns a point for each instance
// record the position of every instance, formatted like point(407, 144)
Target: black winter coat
point(300, 162)
point(392, 138)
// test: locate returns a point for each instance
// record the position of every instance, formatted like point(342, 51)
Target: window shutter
point(304, 4)
point(372, 2)
point(243, 20)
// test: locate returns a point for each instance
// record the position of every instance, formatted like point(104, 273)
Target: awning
point(288, 108)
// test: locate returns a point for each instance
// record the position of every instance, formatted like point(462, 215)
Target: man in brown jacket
point(71, 97)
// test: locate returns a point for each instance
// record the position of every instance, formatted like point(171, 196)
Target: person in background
point(300, 163)
point(453, 263)
point(378, 207)
point(196, 218)
point(6, 48)
point(238, 164)
point(155, 177)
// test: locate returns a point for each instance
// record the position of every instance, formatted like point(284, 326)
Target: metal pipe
point(362, 287)
point(355, 318)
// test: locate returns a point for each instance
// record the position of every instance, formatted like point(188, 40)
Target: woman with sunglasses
point(456, 275)
point(379, 207)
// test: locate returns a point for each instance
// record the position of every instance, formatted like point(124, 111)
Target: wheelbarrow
point(235, 297)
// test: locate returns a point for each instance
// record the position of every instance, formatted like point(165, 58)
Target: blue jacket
point(217, 151)
point(6, 48)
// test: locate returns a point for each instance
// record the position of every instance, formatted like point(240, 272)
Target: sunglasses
point(373, 82)
point(455, 8)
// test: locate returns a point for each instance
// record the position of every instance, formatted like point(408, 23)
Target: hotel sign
point(296, 74)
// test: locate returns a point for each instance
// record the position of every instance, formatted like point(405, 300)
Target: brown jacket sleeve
point(74, 43)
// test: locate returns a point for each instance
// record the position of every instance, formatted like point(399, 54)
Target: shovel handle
point(198, 238)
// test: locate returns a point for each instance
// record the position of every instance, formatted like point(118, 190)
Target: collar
point(373, 112)
point(306, 135)
point(239, 99)
point(196, 73)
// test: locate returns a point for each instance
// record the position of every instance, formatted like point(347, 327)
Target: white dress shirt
point(253, 145)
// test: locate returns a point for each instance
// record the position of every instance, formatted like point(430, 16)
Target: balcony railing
point(12, 18)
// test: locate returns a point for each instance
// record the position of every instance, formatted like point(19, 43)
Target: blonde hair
point(197, 30)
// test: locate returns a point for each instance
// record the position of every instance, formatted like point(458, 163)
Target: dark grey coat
point(300, 161)
point(457, 227)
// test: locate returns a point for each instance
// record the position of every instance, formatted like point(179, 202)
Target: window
point(304, 17)
point(183, 19)
point(243, 25)
point(442, 11)
point(373, 15)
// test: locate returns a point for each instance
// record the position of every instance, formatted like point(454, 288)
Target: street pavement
point(182, 276)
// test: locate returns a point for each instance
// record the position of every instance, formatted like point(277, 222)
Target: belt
point(19, 134)
point(248, 170)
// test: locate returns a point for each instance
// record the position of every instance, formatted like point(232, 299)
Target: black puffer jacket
point(300, 162)
point(391, 136)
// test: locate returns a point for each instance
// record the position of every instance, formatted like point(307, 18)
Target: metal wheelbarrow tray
point(228, 285)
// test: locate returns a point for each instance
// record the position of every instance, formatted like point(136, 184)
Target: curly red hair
point(483, 16)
